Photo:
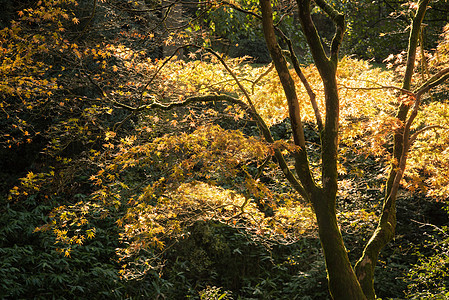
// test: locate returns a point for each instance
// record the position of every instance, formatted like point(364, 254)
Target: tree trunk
point(383, 234)
point(343, 283)
point(385, 230)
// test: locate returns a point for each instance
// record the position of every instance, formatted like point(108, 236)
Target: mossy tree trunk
point(386, 227)
point(345, 282)
point(342, 281)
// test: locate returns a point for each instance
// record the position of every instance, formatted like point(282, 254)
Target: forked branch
point(339, 20)
point(293, 58)
point(424, 129)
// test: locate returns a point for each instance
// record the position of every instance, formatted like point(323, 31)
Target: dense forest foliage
point(224, 149)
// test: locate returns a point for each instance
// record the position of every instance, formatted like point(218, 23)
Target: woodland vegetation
point(224, 149)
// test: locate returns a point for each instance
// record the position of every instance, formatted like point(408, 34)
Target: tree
point(212, 154)
point(344, 281)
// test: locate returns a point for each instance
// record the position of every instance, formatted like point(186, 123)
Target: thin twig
point(415, 135)
point(431, 225)
point(265, 73)
point(379, 87)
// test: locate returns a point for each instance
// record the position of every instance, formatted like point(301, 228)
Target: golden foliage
point(163, 184)
point(149, 226)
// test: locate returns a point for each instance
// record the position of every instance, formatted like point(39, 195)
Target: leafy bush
point(429, 278)
point(32, 267)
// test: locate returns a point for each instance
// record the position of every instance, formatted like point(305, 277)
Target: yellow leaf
point(109, 135)
point(67, 252)
point(90, 233)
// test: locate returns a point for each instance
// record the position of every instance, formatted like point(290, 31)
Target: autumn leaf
point(90, 233)
point(67, 252)
point(110, 135)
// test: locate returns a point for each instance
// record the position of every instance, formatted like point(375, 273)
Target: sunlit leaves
point(195, 166)
point(26, 84)
point(70, 225)
point(150, 225)
point(157, 181)
point(30, 185)
point(208, 151)
point(430, 155)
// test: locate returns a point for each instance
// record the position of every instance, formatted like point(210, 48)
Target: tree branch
point(403, 109)
point(265, 131)
point(294, 59)
point(380, 87)
point(433, 81)
point(301, 161)
point(302, 77)
point(238, 8)
point(402, 142)
point(387, 224)
point(339, 20)
point(413, 42)
point(267, 71)
point(158, 70)
point(415, 135)
point(312, 36)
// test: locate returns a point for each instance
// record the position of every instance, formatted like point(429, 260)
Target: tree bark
point(386, 227)
point(406, 84)
point(288, 84)
point(343, 282)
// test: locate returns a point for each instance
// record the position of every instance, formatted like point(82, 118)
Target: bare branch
point(379, 87)
point(190, 100)
point(237, 81)
point(280, 20)
point(267, 71)
point(158, 70)
point(167, 12)
point(238, 8)
point(434, 81)
point(431, 225)
point(415, 135)
point(303, 79)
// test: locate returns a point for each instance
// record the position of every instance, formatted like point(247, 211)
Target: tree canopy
point(224, 149)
